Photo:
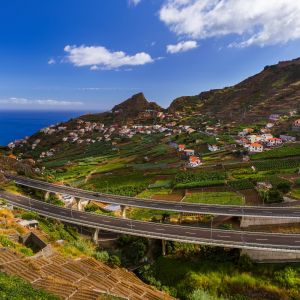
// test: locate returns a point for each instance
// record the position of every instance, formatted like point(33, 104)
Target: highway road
point(223, 210)
point(197, 235)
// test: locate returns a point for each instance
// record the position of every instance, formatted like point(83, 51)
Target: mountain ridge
point(275, 89)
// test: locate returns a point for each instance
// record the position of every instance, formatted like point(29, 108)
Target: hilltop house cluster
point(264, 140)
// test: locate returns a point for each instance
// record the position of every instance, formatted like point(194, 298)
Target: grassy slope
point(221, 275)
point(14, 288)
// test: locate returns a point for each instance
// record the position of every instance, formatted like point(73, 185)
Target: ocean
point(18, 124)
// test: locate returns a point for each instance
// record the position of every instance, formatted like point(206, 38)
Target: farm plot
point(224, 198)
point(201, 179)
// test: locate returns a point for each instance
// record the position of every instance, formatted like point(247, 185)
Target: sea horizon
point(17, 124)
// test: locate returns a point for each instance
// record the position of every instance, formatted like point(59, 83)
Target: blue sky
point(93, 54)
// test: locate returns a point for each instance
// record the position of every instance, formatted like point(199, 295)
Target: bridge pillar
point(180, 218)
point(123, 211)
point(96, 235)
point(164, 247)
point(47, 194)
point(79, 204)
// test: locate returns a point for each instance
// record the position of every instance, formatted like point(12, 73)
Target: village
point(249, 140)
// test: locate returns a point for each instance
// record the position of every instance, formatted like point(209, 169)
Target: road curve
point(196, 235)
point(223, 210)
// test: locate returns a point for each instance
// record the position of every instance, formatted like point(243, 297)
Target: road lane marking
point(261, 239)
point(187, 232)
point(160, 229)
point(224, 236)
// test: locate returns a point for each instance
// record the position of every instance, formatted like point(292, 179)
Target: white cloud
point(94, 68)
point(51, 61)
point(134, 2)
point(40, 102)
point(182, 47)
point(256, 22)
point(100, 57)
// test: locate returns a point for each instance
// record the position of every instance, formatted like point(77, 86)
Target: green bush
point(271, 196)
point(102, 256)
point(114, 261)
point(29, 215)
point(202, 295)
point(288, 277)
point(284, 187)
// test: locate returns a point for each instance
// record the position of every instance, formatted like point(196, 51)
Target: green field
point(224, 198)
point(284, 151)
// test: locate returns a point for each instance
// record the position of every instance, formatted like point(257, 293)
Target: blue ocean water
point(18, 124)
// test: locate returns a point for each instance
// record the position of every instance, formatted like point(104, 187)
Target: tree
point(274, 196)
point(114, 261)
point(284, 187)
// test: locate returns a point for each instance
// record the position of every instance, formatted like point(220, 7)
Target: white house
point(256, 147)
point(266, 137)
point(274, 142)
point(253, 138)
point(213, 148)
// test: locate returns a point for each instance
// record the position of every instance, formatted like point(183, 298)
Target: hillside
point(136, 107)
point(274, 90)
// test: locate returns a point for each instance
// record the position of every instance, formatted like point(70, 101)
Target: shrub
point(84, 246)
point(114, 261)
point(245, 262)
point(284, 187)
point(274, 196)
point(101, 256)
point(29, 215)
point(202, 295)
point(271, 196)
point(287, 277)
point(26, 251)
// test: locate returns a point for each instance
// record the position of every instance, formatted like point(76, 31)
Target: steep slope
point(134, 105)
point(274, 90)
